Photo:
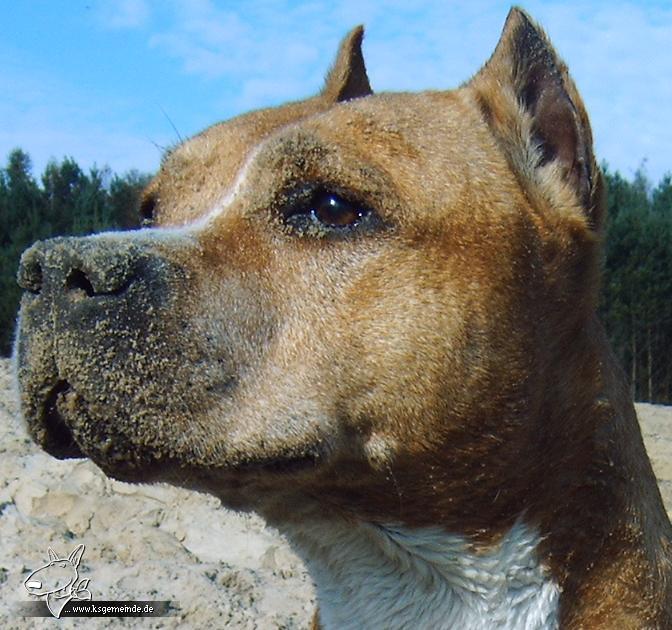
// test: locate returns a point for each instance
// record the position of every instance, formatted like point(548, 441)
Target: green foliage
point(637, 283)
point(636, 301)
point(68, 202)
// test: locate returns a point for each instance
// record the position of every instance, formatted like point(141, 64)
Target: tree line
point(65, 201)
point(636, 300)
point(635, 304)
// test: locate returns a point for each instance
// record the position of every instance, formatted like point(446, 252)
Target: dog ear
point(76, 555)
point(535, 111)
point(52, 554)
point(347, 77)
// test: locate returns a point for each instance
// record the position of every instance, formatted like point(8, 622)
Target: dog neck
point(377, 576)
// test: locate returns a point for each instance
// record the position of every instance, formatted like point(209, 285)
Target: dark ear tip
point(355, 37)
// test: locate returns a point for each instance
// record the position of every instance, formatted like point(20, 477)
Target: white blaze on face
point(176, 233)
point(229, 196)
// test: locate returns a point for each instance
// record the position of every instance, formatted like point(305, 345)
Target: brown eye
point(334, 211)
point(325, 214)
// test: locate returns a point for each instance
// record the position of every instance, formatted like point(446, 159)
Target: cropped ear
point(347, 78)
point(536, 113)
point(52, 554)
point(76, 555)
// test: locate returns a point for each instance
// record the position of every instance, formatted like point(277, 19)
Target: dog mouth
point(57, 438)
point(67, 430)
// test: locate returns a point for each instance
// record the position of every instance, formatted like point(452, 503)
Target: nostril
point(112, 284)
point(77, 280)
point(29, 276)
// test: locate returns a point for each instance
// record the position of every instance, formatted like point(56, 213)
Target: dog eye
point(324, 211)
point(334, 211)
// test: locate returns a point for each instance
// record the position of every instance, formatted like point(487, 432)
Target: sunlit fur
point(428, 406)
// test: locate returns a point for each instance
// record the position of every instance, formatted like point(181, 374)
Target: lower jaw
point(67, 430)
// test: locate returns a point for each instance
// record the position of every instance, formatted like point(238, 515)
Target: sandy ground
point(220, 569)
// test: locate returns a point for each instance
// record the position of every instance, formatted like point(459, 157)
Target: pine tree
point(69, 202)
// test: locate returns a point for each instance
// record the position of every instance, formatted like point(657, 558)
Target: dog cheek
point(412, 378)
point(379, 451)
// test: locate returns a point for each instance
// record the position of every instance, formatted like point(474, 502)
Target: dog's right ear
point(347, 78)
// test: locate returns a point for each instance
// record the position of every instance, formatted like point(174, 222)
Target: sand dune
point(161, 543)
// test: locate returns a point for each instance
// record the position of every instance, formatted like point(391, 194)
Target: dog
point(371, 319)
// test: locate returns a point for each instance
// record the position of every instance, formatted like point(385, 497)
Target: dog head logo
point(58, 581)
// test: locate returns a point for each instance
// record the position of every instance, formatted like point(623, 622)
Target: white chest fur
point(370, 576)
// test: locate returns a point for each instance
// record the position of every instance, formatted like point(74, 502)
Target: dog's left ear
point(347, 78)
point(536, 113)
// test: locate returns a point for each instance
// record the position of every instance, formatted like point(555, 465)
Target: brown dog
point(372, 320)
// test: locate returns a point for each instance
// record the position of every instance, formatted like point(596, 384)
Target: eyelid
point(297, 200)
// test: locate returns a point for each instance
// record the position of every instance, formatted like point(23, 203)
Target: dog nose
point(89, 305)
point(79, 267)
point(30, 270)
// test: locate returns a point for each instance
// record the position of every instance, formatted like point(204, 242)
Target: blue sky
point(115, 82)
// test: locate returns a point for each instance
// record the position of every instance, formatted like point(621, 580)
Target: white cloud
point(51, 120)
point(257, 54)
point(212, 42)
point(121, 14)
point(617, 51)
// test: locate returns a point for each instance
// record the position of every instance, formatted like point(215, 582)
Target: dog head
point(367, 299)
